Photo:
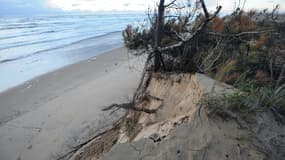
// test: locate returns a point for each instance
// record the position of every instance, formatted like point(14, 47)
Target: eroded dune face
point(182, 128)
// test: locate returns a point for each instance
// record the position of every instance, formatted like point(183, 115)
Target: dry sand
point(47, 116)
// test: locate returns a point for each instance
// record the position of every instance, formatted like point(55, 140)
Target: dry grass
point(217, 25)
point(224, 71)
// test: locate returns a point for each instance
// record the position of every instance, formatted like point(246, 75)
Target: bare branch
point(179, 36)
point(239, 34)
point(207, 15)
point(169, 4)
point(201, 28)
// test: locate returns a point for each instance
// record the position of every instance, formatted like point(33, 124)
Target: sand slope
point(182, 129)
point(45, 117)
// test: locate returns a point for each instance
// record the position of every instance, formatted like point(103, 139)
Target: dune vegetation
point(243, 49)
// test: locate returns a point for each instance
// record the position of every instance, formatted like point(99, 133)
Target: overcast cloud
point(51, 6)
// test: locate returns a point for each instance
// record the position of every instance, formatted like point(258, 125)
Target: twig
point(280, 76)
point(169, 4)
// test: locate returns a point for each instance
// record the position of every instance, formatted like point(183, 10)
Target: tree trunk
point(157, 36)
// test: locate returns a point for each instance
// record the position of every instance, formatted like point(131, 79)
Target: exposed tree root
point(116, 126)
point(76, 148)
point(130, 106)
point(147, 96)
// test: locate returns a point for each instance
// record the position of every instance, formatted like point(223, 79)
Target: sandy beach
point(44, 118)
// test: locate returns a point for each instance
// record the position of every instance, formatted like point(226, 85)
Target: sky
point(56, 6)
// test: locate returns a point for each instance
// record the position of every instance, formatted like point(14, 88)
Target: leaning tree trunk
point(157, 36)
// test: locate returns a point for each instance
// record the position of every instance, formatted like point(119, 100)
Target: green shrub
point(252, 99)
point(235, 101)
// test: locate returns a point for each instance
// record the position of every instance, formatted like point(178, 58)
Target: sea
point(34, 45)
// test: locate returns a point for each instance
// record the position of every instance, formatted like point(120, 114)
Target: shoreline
point(59, 69)
point(17, 72)
point(63, 108)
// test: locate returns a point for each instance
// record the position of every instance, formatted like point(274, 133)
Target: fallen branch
point(239, 34)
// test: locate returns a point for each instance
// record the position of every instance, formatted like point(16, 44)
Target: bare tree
point(157, 37)
point(158, 49)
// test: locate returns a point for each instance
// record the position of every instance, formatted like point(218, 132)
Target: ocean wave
point(8, 60)
point(32, 25)
point(58, 47)
point(37, 42)
point(17, 27)
point(32, 33)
